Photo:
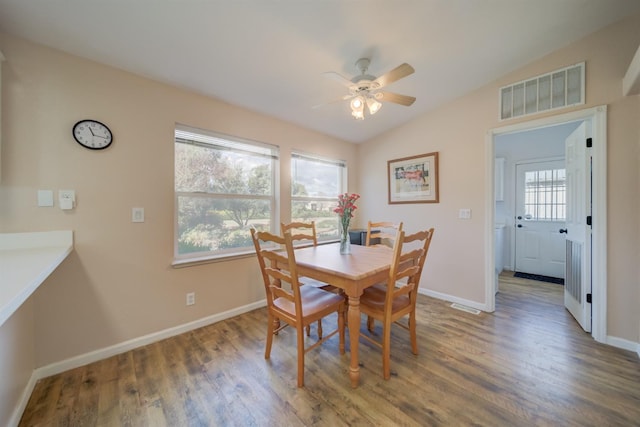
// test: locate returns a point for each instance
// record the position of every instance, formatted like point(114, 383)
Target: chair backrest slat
point(385, 232)
point(301, 232)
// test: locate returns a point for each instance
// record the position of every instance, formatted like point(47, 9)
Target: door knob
point(563, 230)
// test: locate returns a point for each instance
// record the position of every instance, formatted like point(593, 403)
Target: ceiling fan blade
point(339, 78)
point(342, 98)
point(396, 74)
point(396, 98)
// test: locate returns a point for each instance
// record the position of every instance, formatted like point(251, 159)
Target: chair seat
point(314, 301)
point(374, 298)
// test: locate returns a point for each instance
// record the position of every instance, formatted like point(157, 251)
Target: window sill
point(190, 262)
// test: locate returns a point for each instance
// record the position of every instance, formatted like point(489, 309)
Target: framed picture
point(413, 179)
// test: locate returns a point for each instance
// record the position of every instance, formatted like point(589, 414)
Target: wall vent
point(465, 308)
point(558, 89)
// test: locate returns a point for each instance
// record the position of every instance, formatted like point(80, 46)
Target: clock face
point(92, 134)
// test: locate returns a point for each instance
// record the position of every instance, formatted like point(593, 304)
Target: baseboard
point(22, 403)
point(450, 298)
point(623, 344)
point(94, 356)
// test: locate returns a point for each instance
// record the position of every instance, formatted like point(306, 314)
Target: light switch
point(45, 197)
point(137, 214)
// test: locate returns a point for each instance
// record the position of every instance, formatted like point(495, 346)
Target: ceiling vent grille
point(558, 89)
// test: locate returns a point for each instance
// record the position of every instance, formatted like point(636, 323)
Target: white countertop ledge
point(26, 260)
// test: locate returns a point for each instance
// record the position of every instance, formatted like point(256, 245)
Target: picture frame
point(413, 179)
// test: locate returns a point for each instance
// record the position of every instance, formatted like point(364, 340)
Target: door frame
point(598, 118)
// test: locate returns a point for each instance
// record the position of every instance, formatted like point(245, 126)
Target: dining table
point(363, 267)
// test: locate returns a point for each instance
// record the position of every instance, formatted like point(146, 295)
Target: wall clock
point(92, 134)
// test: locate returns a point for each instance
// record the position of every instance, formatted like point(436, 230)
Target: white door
point(578, 232)
point(540, 214)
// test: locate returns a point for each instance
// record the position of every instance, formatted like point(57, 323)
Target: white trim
point(631, 79)
point(598, 117)
point(16, 416)
point(489, 225)
point(623, 344)
point(93, 356)
point(451, 298)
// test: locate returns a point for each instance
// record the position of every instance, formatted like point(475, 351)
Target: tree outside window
point(315, 186)
point(223, 187)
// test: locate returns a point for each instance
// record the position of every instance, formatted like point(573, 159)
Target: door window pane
point(545, 195)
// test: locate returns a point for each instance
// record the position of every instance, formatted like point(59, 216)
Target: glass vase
point(345, 241)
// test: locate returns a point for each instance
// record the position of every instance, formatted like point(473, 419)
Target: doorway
point(597, 118)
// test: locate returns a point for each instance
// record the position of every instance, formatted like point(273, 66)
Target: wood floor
point(527, 364)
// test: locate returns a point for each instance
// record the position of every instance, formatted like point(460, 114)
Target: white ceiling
point(269, 55)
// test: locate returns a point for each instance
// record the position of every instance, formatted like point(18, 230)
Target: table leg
point(354, 338)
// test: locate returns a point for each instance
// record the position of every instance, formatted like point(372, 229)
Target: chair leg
point(412, 332)
point(386, 349)
point(308, 330)
point(276, 325)
point(270, 328)
point(341, 323)
point(370, 323)
point(300, 338)
point(320, 329)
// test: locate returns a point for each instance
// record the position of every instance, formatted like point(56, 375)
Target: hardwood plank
point(527, 364)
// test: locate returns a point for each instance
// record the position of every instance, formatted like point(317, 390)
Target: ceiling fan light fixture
point(373, 105)
point(357, 104)
point(357, 108)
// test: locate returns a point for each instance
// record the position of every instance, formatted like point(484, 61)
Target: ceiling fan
point(365, 89)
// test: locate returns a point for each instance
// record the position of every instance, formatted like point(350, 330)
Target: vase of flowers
point(345, 208)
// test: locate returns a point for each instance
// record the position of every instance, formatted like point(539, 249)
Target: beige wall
point(458, 130)
point(118, 284)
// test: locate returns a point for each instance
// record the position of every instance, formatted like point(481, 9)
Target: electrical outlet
point(191, 298)
point(464, 214)
point(67, 199)
point(137, 214)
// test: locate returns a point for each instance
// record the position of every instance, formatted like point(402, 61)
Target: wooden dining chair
point(298, 306)
point(304, 234)
point(384, 232)
point(398, 298)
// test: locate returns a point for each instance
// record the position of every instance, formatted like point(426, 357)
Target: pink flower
point(345, 208)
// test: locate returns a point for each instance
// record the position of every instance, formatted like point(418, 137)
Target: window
point(545, 195)
point(223, 186)
point(315, 186)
